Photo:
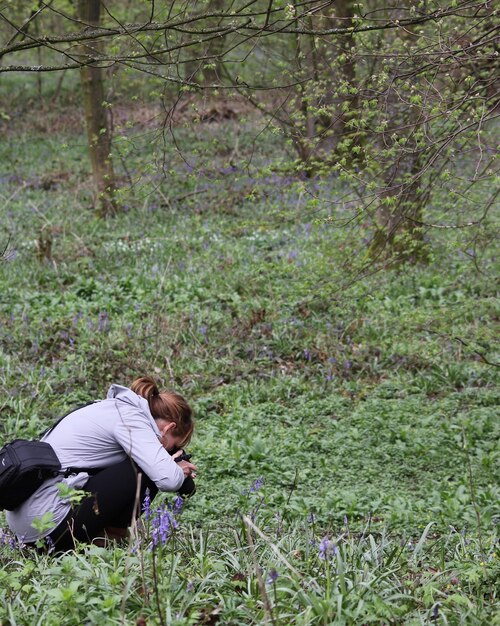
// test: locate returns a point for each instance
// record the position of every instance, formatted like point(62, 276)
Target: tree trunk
point(212, 70)
point(339, 69)
point(399, 233)
point(399, 220)
point(96, 117)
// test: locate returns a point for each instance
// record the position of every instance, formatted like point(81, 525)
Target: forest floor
point(347, 413)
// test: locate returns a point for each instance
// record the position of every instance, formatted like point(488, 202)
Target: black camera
point(188, 488)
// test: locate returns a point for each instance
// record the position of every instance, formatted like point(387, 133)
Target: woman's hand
point(188, 468)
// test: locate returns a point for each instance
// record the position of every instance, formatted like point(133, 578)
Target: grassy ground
point(348, 411)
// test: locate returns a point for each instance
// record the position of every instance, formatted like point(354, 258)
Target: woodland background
point(287, 212)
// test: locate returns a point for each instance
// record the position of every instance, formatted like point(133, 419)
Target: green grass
point(368, 404)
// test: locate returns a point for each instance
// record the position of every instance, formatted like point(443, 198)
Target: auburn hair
point(166, 405)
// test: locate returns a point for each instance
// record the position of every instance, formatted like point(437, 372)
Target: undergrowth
point(346, 413)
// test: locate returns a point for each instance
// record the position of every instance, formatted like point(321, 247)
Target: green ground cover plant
point(347, 431)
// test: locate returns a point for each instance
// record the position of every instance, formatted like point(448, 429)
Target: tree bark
point(212, 70)
point(96, 117)
point(398, 224)
point(338, 72)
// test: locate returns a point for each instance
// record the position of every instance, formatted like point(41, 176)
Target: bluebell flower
point(177, 505)
point(49, 542)
point(272, 577)
point(257, 484)
point(146, 506)
point(327, 549)
point(103, 321)
point(163, 524)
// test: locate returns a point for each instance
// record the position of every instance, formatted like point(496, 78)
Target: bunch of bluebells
point(163, 525)
point(327, 549)
point(257, 484)
point(8, 539)
point(163, 519)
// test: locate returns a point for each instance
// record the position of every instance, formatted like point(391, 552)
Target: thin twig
point(268, 613)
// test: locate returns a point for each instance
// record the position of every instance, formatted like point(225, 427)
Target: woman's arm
point(136, 435)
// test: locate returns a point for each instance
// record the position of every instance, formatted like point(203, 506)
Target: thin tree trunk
point(96, 118)
point(338, 72)
point(399, 233)
point(212, 74)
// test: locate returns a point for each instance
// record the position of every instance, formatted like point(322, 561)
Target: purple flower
point(146, 506)
point(257, 484)
point(311, 518)
point(177, 505)
point(49, 542)
point(163, 524)
point(103, 321)
point(327, 549)
point(8, 539)
point(272, 577)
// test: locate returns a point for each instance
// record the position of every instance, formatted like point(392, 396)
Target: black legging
point(111, 504)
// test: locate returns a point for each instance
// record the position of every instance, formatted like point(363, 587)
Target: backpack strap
point(78, 470)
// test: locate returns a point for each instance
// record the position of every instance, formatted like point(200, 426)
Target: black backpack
point(25, 465)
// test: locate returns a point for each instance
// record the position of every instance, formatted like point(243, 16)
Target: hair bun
point(145, 387)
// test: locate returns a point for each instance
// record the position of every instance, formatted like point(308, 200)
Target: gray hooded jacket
point(98, 435)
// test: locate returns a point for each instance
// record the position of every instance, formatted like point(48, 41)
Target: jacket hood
point(124, 394)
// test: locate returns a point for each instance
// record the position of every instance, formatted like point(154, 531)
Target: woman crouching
point(114, 449)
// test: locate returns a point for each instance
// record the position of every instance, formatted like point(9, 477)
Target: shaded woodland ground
point(347, 431)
